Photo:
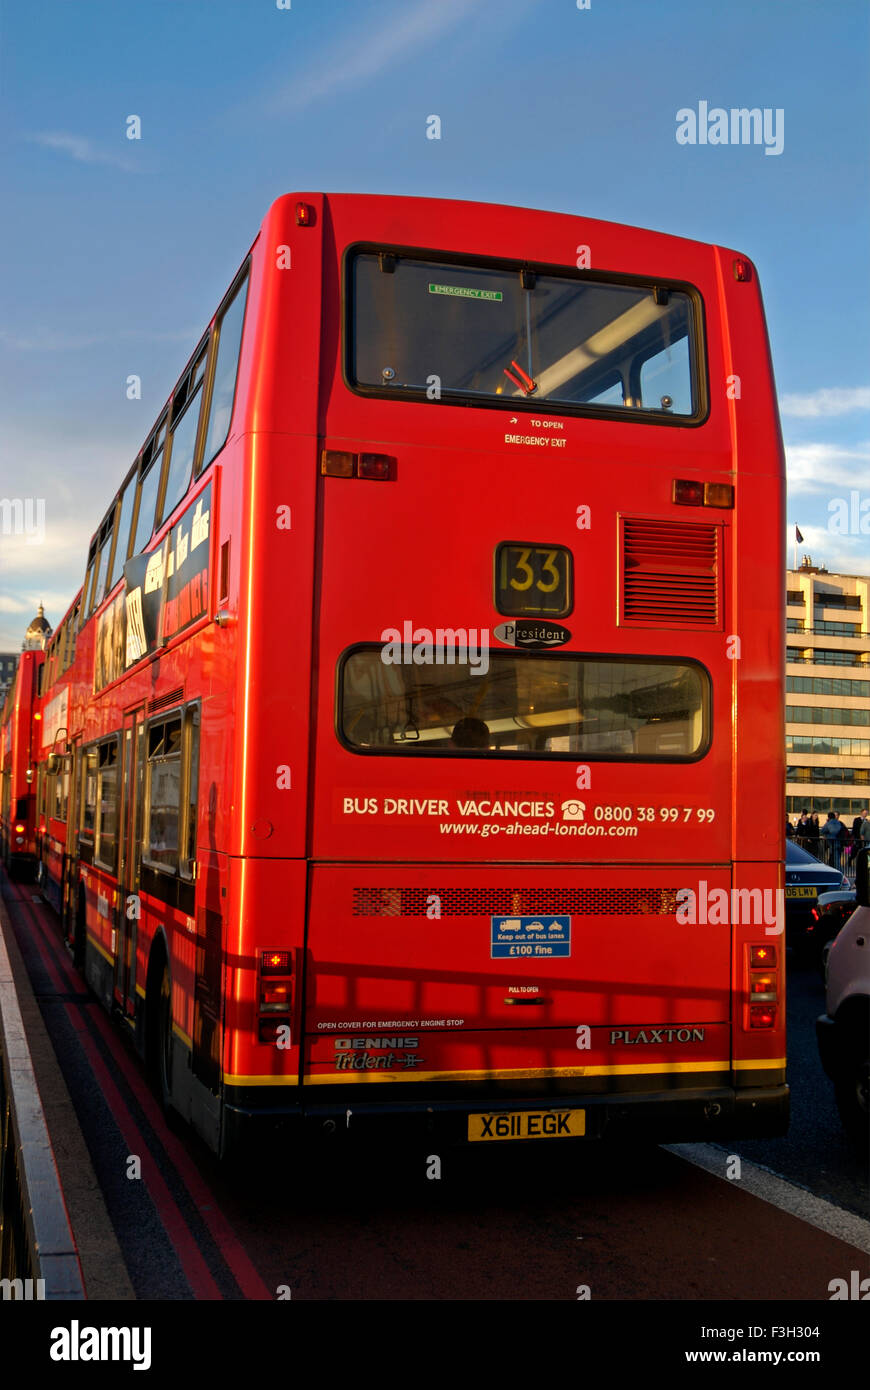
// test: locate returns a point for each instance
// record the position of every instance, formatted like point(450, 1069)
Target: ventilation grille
point(173, 698)
point(520, 902)
point(670, 574)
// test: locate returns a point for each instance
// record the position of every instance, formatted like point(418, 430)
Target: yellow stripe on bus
point(530, 1073)
point(101, 949)
point(260, 1080)
point(647, 1069)
point(759, 1066)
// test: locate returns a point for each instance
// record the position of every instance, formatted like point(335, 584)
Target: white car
point(843, 1031)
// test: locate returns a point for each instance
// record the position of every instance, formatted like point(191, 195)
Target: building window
point(838, 629)
point(824, 714)
point(827, 685)
point(859, 776)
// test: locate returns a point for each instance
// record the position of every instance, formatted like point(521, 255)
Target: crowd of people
point(833, 840)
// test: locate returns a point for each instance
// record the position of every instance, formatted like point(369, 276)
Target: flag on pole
point(798, 537)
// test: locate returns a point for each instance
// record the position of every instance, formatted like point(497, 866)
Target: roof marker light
point(718, 495)
point(335, 463)
point(688, 492)
point(378, 466)
point(691, 492)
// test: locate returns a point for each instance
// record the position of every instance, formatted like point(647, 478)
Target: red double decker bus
point(423, 734)
point(19, 726)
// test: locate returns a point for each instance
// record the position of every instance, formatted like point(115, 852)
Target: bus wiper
point(522, 380)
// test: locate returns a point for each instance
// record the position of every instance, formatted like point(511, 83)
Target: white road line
point(779, 1192)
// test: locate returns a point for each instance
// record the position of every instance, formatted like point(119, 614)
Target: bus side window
point(89, 576)
point(163, 795)
point(223, 390)
point(122, 544)
point(105, 852)
point(89, 794)
point(186, 404)
point(191, 783)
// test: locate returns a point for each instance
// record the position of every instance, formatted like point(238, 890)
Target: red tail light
point(762, 955)
point(374, 466)
point(338, 463)
point(276, 963)
point(761, 985)
point(274, 994)
point(275, 998)
point(762, 1015)
point(691, 493)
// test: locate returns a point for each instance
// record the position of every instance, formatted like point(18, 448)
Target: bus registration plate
point(527, 1124)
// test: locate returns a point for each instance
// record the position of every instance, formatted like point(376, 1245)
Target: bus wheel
point(159, 1035)
point(79, 933)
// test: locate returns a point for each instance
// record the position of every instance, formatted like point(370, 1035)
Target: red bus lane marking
point(235, 1256)
point(61, 974)
point(196, 1271)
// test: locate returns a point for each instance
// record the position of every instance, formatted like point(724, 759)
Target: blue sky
point(116, 252)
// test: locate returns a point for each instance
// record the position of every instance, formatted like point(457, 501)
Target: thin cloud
point(819, 468)
point(838, 553)
point(366, 53)
point(836, 400)
point(50, 340)
point(79, 148)
point(11, 605)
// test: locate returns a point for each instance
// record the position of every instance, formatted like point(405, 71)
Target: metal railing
point(838, 856)
point(38, 1256)
point(825, 629)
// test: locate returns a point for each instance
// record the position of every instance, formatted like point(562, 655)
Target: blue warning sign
point(533, 938)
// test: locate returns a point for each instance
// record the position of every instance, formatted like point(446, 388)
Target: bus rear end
point(17, 759)
point(544, 840)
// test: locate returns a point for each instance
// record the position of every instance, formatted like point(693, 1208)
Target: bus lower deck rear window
point(497, 703)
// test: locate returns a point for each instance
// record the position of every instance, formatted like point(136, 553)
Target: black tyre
point(159, 1034)
point(79, 934)
point(850, 1090)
